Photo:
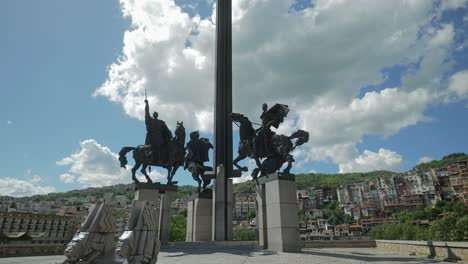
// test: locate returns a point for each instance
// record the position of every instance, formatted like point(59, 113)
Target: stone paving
point(231, 256)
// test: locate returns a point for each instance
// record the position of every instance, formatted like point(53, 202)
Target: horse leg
point(197, 179)
point(289, 159)
point(143, 170)
point(174, 170)
point(169, 178)
point(257, 170)
point(206, 182)
point(239, 158)
point(134, 169)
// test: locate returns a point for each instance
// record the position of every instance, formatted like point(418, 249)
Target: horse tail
point(123, 160)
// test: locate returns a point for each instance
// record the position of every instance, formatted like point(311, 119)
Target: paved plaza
point(230, 256)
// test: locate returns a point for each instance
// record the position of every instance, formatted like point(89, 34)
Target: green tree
point(178, 227)
point(461, 228)
point(251, 215)
point(443, 229)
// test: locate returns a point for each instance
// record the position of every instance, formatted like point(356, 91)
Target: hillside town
point(357, 208)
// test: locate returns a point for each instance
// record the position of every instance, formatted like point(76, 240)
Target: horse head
point(180, 130)
point(302, 137)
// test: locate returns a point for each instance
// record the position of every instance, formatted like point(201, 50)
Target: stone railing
point(339, 244)
point(14, 250)
point(433, 249)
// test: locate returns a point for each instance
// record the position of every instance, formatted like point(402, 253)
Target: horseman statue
point(158, 135)
point(161, 148)
point(269, 150)
point(197, 154)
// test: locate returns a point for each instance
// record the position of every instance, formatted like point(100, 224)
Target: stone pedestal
point(222, 207)
point(139, 244)
point(261, 216)
point(276, 196)
point(199, 217)
point(168, 195)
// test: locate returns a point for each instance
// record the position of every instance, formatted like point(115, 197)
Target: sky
point(378, 84)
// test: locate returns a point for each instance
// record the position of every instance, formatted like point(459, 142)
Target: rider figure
point(197, 154)
point(264, 132)
point(158, 134)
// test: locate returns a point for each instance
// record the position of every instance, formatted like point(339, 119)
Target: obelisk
point(223, 124)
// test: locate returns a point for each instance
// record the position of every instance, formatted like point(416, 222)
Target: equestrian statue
point(161, 148)
point(269, 150)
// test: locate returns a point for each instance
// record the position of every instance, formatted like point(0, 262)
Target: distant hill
point(320, 179)
point(119, 189)
point(445, 161)
point(302, 180)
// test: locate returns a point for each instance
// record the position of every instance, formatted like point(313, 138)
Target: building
point(367, 224)
point(388, 190)
point(243, 206)
point(32, 228)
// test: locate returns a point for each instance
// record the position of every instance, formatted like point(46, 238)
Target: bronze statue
point(265, 144)
point(158, 135)
point(197, 154)
point(160, 149)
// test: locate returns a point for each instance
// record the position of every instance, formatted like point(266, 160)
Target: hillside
point(320, 179)
point(445, 161)
point(302, 180)
point(119, 189)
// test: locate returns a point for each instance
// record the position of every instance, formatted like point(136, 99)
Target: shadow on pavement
point(367, 257)
point(241, 252)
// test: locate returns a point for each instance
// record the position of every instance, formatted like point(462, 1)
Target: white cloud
point(453, 4)
point(95, 165)
point(67, 178)
point(377, 113)
point(246, 176)
point(9, 122)
point(36, 179)
point(458, 83)
point(16, 187)
point(371, 161)
point(443, 37)
point(425, 160)
point(316, 60)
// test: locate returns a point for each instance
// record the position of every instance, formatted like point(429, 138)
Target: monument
point(222, 201)
point(94, 241)
point(277, 220)
point(161, 148)
point(139, 244)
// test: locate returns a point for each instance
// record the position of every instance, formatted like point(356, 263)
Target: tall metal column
point(223, 124)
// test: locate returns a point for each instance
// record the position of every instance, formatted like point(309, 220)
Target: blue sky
point(73, 76)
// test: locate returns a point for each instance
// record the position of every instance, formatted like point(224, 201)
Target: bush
point(245, 233)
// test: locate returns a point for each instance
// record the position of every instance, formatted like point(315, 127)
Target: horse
point(141, 155)
point(246, 136)
point(282, 146)
point(198, 149)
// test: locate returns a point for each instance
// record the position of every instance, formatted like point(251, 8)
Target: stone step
point(212, 245)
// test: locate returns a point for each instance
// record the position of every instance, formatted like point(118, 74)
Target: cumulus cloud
point(67, 178)
point(317, 60)
point(246, 176)
point(458, 84)
point(17, 188)
point(425, 160)
point(382, 160)
point(94, 165)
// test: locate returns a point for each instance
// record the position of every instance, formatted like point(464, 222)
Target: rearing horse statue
point(281, 147)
